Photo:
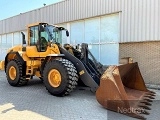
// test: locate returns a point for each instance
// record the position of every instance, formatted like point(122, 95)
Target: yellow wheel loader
point(61, 67)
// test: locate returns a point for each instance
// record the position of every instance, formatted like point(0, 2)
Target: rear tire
point(60, 77)
point(14, 73)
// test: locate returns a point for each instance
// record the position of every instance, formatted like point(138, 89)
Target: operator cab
point(42, 35)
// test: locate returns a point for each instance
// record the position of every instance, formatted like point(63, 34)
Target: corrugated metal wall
point(139, 18)
point(65, 11)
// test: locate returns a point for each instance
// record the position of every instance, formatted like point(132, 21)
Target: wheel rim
point(54, 78)
point(12, 73)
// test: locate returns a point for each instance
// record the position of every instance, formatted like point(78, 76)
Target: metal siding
point(0, 41)
point(143, 27)
point(158, 35)
point(65, 11)
point(7, 25)
point(156, 19)
point(3, 26)
point(140, 20)
point(55, 12)
point(148, 19)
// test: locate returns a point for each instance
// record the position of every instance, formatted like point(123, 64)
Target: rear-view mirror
point(67, 33)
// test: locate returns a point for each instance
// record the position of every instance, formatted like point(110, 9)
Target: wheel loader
point(60, 68)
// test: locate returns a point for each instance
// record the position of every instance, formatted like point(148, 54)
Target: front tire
point(60, 77)
point(14, 73)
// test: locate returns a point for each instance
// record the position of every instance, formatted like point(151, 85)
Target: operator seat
point(44, 44)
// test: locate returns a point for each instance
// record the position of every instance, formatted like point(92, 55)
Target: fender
point(46, 59)
point(12, 55)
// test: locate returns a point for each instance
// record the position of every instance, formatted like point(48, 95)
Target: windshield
point(54, 34)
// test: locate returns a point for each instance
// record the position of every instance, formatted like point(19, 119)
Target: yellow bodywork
point(15, 48)
point(1, 65)
point(31, 56)
point(31, 51)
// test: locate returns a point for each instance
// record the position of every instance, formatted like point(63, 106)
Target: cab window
point(44, 41)
point(45, 35)
point(33, 35)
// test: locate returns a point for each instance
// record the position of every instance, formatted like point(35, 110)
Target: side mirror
point(41, 27)
point(23, 38)
point(67, 33)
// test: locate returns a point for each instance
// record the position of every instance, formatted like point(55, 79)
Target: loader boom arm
point(83, 73)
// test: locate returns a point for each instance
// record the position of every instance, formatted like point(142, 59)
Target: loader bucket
point(122, 89)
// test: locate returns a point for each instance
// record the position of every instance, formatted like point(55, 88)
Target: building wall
point(137, 23)
point(9, 40)
point(65, 11)
point(101, 33)
point(139, 19)
point(147, 54)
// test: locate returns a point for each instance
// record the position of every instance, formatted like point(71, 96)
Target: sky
point(11, 8)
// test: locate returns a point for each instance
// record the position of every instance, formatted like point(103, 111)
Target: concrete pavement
point(33, 102)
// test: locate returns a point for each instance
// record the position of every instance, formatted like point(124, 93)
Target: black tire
point(19, 79)
point(69, 77)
